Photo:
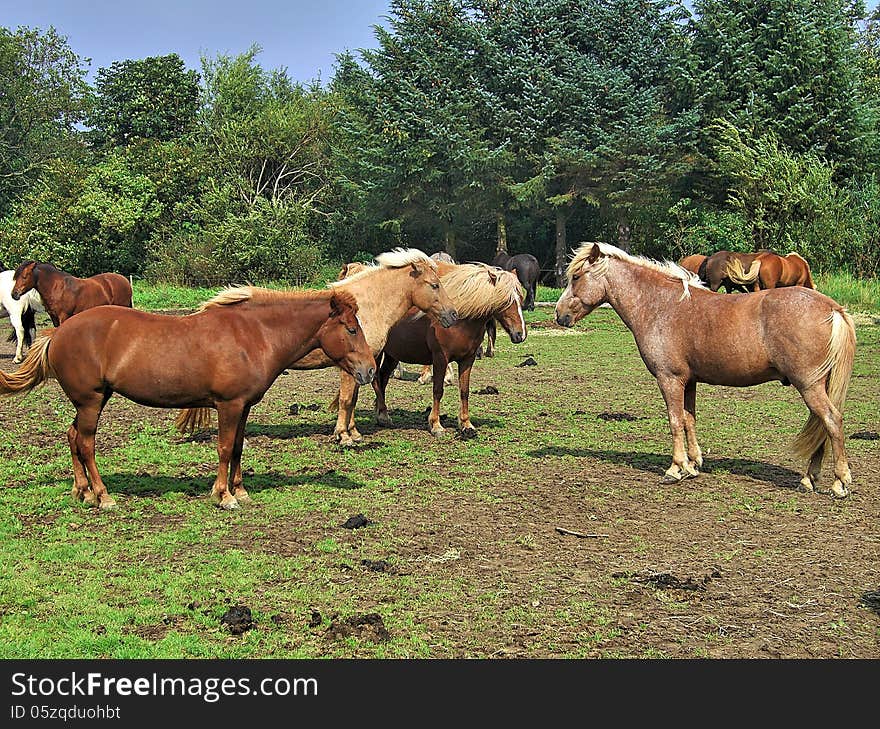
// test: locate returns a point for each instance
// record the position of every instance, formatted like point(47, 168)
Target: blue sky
point(303, 35)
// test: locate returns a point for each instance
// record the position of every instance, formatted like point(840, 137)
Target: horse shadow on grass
point(657, 464)
point(140, 484)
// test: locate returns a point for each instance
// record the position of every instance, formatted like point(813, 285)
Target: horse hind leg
point(81, 490)
point(237, 488)
point(380, 384)
point(823, 410)
point(86, 425)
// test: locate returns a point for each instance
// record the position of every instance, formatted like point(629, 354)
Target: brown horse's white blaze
point(795, 335)
point(480, 293)
point(224, 356)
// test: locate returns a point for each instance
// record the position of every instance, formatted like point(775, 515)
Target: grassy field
point(462, 557)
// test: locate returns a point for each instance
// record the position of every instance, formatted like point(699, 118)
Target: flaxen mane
point(668, 268)
point(475, 296)
point(238, 294)
point(397, 258)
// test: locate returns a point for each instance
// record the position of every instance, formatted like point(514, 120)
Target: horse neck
point(287, 343)
point(639, 295)
point(48, 277)
point(383, 299)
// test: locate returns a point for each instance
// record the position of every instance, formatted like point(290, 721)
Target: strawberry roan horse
point(795, 335)
point(224, 356)
point(65, 295)
point(400, 280)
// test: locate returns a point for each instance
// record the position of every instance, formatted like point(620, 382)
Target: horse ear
point(336, 306)
point(493, 277)
point(595, 254)
point(514, 271)
point(344, 272)
point(416, 271)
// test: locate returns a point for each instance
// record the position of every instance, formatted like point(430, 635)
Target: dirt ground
point(735, 564)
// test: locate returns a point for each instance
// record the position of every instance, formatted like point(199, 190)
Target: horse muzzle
point(16, 295)
point(448, 318)
point(564, 320)
point(518, 337)
point(364, 375)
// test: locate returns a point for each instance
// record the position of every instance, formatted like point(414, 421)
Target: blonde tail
point(193, 419)
point(838, 367)
point(34, 370)
point(739, 276)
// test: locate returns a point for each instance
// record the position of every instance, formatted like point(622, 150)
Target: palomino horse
point(479, 293)
point(386, 291)
point(795, 335)
point(65, 295)
point(224, 356)
point(20, 312)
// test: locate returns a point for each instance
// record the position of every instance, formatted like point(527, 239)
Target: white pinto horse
point(20, 312)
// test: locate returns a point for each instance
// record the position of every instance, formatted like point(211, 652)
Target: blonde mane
point(397, 258)
point(668, 268)
point(475, 296)
point(239, 294)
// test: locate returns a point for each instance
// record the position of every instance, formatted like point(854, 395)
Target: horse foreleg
point(821, 407)
point(81, 490)
point(464, 384)
point(380, 383)
point(673, 394)
point(440, 364)
point(491, 332)
point(345, 416)
point(229, 414)
point(15, 320)
point(238, 490)
point(690, 424)
point(86, 425)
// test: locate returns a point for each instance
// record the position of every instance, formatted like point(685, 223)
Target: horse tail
point(738, 275)
point(193, 419)
point(34, 370)
point(838, 367)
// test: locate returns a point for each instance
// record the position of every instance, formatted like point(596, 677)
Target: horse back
point(115, 287)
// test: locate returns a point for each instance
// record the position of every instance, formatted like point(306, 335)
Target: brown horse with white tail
point(795, 335)
point(225, 356)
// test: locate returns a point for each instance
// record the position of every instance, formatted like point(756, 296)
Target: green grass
point(857, 294)
point(467, 527)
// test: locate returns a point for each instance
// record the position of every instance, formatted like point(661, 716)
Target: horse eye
point(435, 286)
point(352, 330)
point(575, 277)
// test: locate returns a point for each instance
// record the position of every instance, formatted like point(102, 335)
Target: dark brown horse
point(527, 270)
point(225, 356)
point(794, 335)
point(65, 295)
point(734, 271)
point(480, 293)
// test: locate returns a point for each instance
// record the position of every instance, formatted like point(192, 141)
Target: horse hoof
point(229, 503)
point(468, 433)
point(244, 498)
point(806, 485)
point(672, 477)
point(839, 490)
point(438, 432)
point(18, 361)
point(108, 505)
point(355, 436)
point(691, 473)
point(384, 419)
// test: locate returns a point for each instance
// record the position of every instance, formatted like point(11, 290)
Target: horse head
point(586, 289)
point(342, 339)
point(25, 279)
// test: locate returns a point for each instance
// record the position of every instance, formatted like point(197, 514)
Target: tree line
point(471, 126)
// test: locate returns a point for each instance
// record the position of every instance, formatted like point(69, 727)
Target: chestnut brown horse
point(480, 293)
point(693, 263)
point(400, 280)
point(795, 335)
point(775, 271)
point(65, 295)
point(224, 356)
